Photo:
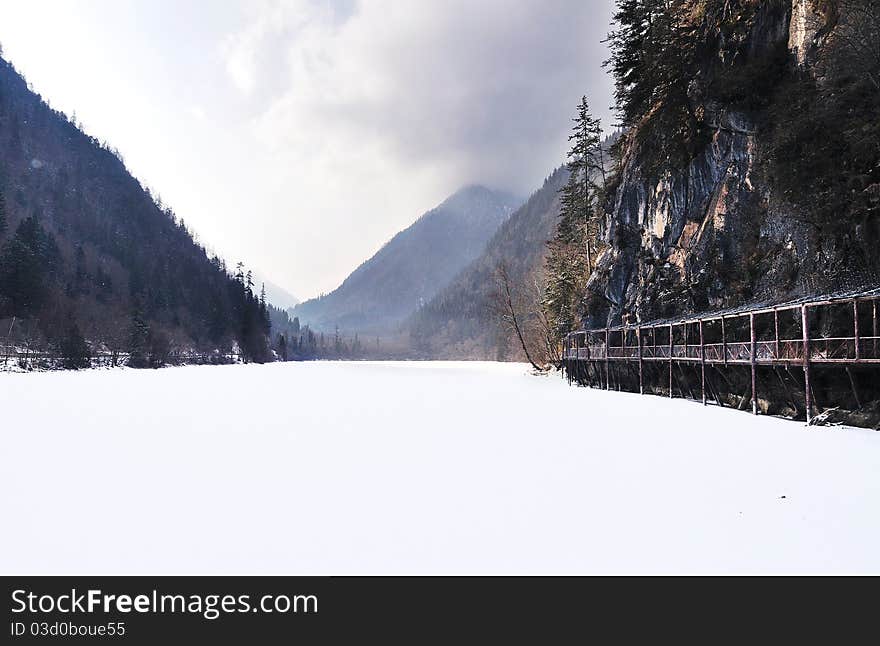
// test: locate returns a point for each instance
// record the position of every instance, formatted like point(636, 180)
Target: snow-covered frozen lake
point(322, 468)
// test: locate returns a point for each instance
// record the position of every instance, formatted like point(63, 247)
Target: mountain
point(91, 262)
point(755, 176)
point(413, 266)
point(275, 294)
point(458, 323)
point(778, 196)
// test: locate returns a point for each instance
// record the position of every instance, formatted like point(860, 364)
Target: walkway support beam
point(874, 324)
point(671, 344)
point(702, 363)
point(641, 368)
point(724, 341)
point(607, 360)
point(776, 330)
point(855, 305)
point(805, 329)
point(753, 360)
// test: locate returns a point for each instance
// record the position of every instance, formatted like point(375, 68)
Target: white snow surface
point(440, 468)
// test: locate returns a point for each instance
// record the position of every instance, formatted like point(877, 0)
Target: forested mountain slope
point(88, 255)
point(460, 322)
point(413, 266)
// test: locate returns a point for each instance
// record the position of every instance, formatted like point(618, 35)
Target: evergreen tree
point(633, 47)
point(264, 310)
point(109, 225)
point(3, 224)
point(653, 48)
point(586, 181)
point(75, 353)
point(80, 276)
point(28, 262)
point(572, 250)
point(139, 339)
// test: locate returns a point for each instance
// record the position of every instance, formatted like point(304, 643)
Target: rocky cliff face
point(714, 233)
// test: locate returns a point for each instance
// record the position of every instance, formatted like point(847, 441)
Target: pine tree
point(581, 193)
point(633, 46)
point(2, 215)
point(139, 338)
point(28, 262)
point(75, 353)
point(264, 310)
point(572, 250)
point(653, 50)
point(80, 276)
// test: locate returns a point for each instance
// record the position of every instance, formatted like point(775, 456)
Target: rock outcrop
point(714, 233)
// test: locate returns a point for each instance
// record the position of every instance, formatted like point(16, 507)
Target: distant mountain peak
point(414, 265)
point(475, 193)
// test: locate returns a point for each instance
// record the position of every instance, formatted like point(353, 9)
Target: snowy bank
point(415, 468)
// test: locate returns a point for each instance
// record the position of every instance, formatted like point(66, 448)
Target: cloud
point(473, 91)
point(300, 135)
point(353, 118)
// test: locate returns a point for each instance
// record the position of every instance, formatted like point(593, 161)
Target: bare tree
point(544, 329)
point(508, 305)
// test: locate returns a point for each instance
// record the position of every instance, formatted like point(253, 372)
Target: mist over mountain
point(458, 322)
point(413, 266)
point(275, 294)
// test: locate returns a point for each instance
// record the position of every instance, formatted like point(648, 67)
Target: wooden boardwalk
point(839, 330)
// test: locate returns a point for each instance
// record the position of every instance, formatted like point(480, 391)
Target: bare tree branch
point(508, 310)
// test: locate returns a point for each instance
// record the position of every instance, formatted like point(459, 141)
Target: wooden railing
point(822, 349)
point(639, 343)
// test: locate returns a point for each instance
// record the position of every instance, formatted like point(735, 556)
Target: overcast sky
point(299, 135)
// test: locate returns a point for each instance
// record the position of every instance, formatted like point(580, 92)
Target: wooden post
point(776, 330)
point(641, 374)
point(723, 342)
point(686, 351)
point(670, 359)
point(874, 320)
point(607, 361)
point(702, 363)
point(753, 359)
point(855, 305)
point(805, 328)
point(566, 344)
